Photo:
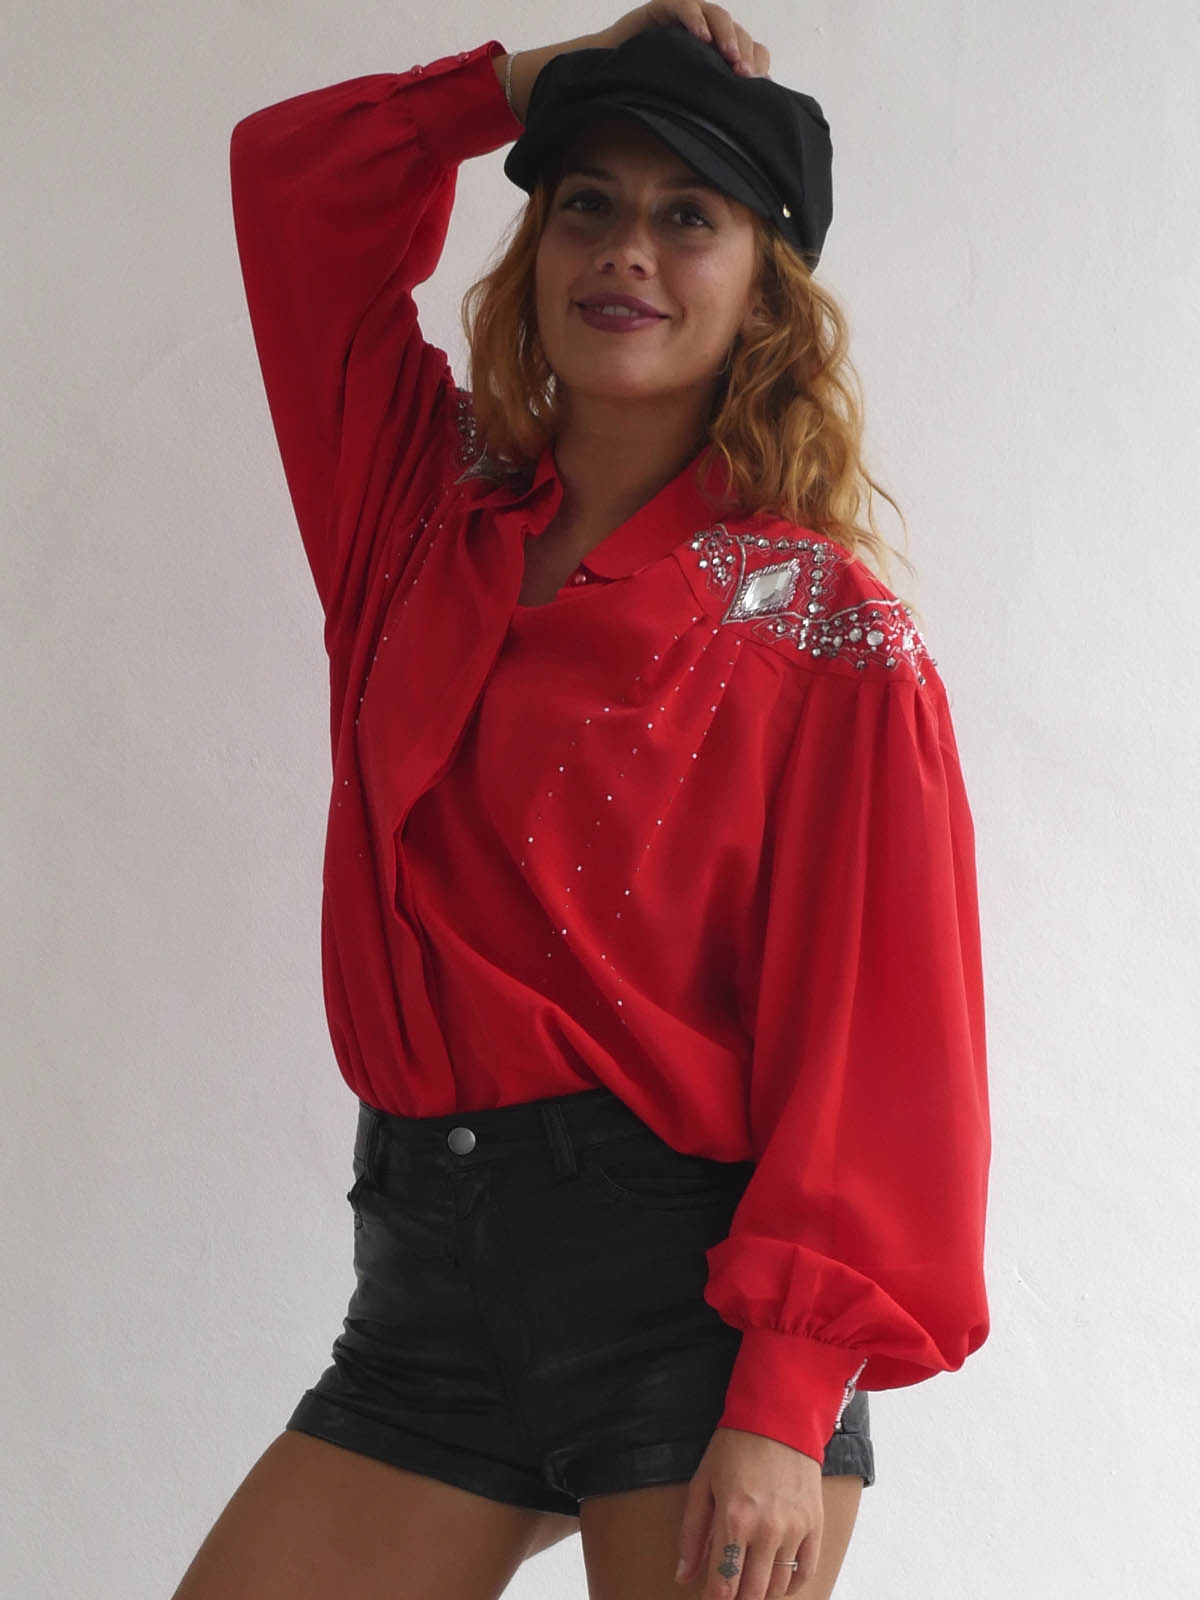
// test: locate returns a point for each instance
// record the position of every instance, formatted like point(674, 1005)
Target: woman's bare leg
point(314, 1521)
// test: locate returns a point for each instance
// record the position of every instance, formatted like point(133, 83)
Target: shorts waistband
point(564, 1124)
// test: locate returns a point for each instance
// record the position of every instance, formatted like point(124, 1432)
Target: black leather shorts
point(529, 1320)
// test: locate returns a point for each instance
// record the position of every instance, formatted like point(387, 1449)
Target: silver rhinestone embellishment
point(785, 596)
point(768, 590)
point(848, 1393)
point(471, 454)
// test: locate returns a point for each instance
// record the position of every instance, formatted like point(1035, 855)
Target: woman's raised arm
point(341, 202)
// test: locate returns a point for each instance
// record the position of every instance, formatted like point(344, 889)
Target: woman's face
point(651, 229)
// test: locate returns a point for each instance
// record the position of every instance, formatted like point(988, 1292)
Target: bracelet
point(508, 79)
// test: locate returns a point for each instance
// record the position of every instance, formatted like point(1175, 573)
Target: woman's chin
point(613, 388)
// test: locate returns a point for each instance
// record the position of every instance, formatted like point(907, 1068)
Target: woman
point(649, 938)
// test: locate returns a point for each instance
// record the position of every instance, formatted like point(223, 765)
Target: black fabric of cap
point(766, 145)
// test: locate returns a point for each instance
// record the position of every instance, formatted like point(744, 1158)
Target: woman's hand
point(709, 22)
point(752, 1501)
point(706, 21)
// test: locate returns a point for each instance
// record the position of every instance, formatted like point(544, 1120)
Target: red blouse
point(694, 830)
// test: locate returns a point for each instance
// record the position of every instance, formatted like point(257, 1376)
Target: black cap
point(766, 145)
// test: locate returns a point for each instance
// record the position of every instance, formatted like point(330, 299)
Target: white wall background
point(1016, 243)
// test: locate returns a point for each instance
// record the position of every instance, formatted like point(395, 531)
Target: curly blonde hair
point(787, 413)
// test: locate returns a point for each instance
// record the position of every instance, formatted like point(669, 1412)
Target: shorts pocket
point(653, 1174)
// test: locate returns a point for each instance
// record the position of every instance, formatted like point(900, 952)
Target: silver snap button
point(460, 1140)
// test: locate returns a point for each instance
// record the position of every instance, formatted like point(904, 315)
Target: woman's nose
point(627, 236)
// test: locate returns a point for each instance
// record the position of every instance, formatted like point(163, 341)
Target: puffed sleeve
point(341, 202)
point(860, 1236)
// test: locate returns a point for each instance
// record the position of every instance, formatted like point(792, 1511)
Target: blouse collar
point(676, 513)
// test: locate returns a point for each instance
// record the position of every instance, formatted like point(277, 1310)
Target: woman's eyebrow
point(681, 181)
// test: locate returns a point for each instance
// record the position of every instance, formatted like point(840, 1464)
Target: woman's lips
point(619, 323)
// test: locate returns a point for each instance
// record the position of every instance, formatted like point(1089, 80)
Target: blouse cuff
point(459, 107)
point(789, 1387)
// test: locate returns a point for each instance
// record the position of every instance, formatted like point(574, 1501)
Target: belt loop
point(565, 1163)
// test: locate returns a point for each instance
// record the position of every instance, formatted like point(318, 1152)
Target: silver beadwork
point(468, 433)
point(847, 1396)
point(787, 598)
point(471, 453)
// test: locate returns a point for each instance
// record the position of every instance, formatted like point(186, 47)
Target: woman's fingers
point(707, 21)
point(753, 58)
point(745, 47)
point(728, 37)
point(743, 53)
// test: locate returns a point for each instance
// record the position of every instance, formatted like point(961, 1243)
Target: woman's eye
point(682, 208)
point(584, 194)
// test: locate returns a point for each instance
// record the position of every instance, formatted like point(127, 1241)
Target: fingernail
point(681, 1568)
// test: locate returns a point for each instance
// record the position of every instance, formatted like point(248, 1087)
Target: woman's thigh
point(314, 1521)
point(631, 1541)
